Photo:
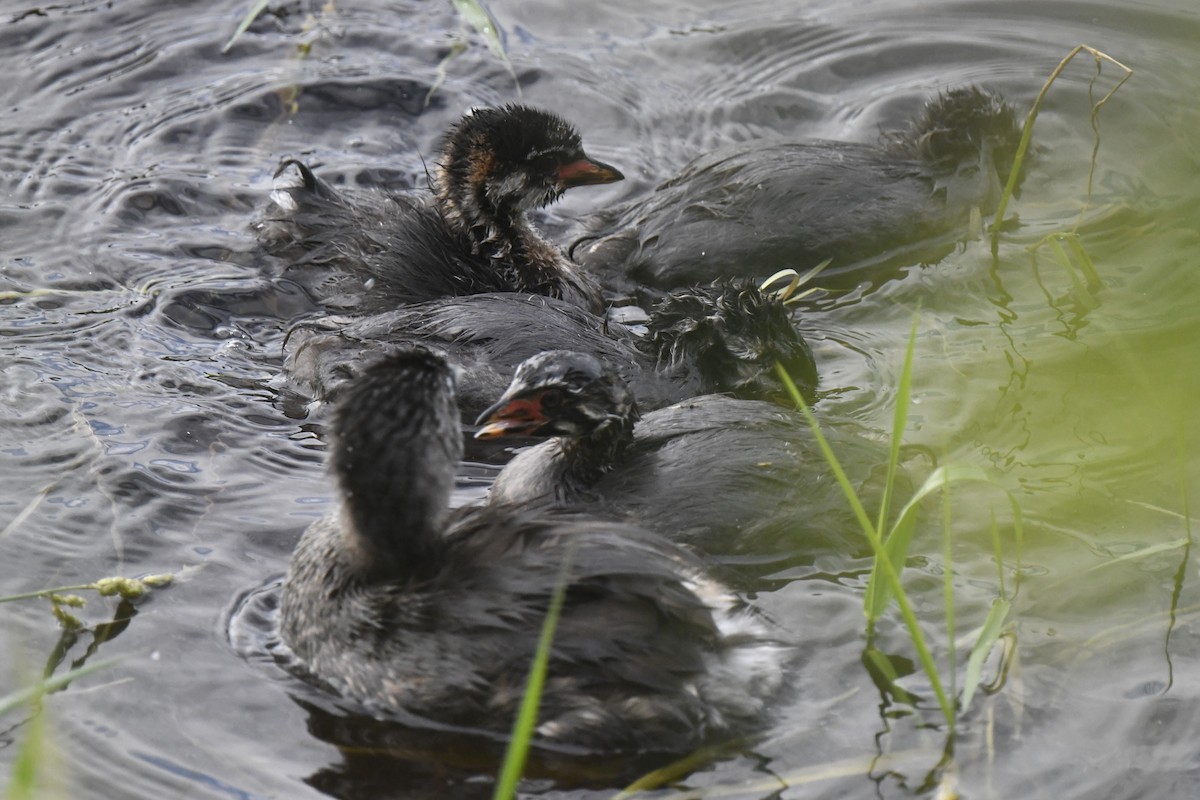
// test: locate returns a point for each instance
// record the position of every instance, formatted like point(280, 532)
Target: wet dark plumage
point(732, 477)
point(724, 337)
point(400, 604)
point(374, 250)
point(758, 207)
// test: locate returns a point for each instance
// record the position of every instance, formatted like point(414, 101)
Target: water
point(139, 330)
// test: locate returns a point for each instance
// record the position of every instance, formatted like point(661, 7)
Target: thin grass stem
point(47, 593)
point(1027, 131)
point(881, 556)
point(997, 551)
point(52, 684)
point(246, 22)
point(518, 748)
point(899, 424)
point(948, 596)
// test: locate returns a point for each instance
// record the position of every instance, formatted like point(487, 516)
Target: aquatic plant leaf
point(1027, 130)
point(1079, 288)
point(478, 18)
point(679, 769)
point(10, 701)
point(899, 424)
point(883, 673)
point(790, 293)
point(34, 763)
point(889, 572)
point(443, 69)
point(879, 592)
point(992, 627)
point(246, 22)
point(804, 776)
point(1155, 549)
point(127, 588)
point(518, 747)
point(1084, 262)
point(860, 513)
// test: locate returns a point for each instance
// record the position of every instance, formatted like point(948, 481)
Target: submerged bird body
point(755, 208)
point(402, 605)
point(374, 250)
point(731, 477)
point(725, 337)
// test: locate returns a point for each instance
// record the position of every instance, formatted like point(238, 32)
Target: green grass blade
point(992, 628)
point(52, 684)
point(478, 18)
point(771, 786)
point(877, 663)
point(1027, 130)
point(852, 498)
point(46, 592)
point(890, 573)
point(1079, 287)
point(246, 22)
point(1113, 561)
point(522, 734)
point(677, 770)
point(1086, 265)
point(892, 576)
point(997, 552)
point(128, 588)
point(899, 425)
point(34, 764)
point(948, 594)
point(879, 593)
point(443, 70)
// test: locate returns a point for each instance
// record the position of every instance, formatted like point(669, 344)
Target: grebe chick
point(754, 208)
point(401, 604)
point(375, 250)
point(724, 337)
point(730, 477)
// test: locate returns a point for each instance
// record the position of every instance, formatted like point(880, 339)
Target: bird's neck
point(494, 225)
point(586, 459)
point(500, 233)
point(396, 466)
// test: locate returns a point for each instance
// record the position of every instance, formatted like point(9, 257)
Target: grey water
point(140, 328)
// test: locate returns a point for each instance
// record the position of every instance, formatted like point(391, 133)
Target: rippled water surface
point(139, 329)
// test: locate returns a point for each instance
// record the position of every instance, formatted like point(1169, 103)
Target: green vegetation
point(125, 588)
point(36, 771)
point(474, 15)
point(471, 13)
point(1027, 131)
point(523, 727)
point(251, 15)
point(891, 544)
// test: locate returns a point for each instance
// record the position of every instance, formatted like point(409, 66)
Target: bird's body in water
point(757, 207)
point(734, 478)
point(375, 250)
point(725, 337)
point(403, 605)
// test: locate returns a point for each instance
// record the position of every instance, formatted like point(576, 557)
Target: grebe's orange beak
point(585, 172)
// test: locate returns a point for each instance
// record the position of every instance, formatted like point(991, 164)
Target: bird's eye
point(545, 164)
point(552, 399)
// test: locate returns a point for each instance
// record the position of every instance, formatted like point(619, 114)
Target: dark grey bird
point(754, 208)
point(731, 477)
point(724, 337)
point(401, 604)
point(375, 250)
